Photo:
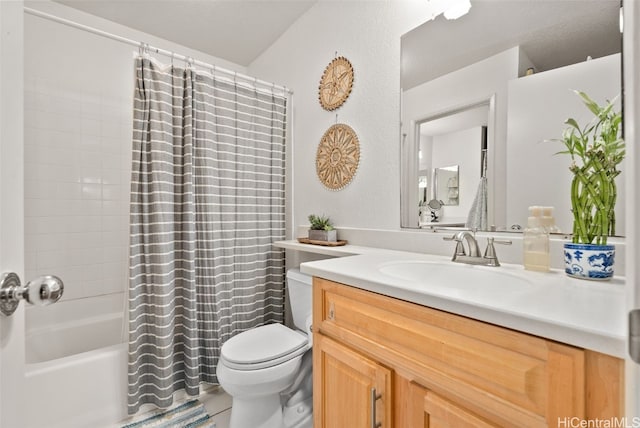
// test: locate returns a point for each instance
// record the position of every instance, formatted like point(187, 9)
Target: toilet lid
point(262, 344)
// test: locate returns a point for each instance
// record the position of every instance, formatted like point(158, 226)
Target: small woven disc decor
point(338, 156)
point(335, 84)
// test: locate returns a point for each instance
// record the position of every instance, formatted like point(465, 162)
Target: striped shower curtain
point(207, 202)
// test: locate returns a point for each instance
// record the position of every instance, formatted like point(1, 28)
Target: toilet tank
point(299, 288)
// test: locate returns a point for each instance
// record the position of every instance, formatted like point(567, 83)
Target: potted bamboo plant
point(321, 229)
point(596, 150)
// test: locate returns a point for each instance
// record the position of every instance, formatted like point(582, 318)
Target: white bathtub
point(76, 363)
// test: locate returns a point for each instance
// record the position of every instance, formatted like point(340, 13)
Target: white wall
point(368, 34)
point(538, 106)
point(460, 148)
point(78, 128)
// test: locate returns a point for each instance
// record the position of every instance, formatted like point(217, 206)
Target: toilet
point(267, 370)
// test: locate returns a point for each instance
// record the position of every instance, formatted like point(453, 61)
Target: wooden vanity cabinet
point(384, 362)
point(356, 389)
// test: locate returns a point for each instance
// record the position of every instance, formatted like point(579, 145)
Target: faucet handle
point(459, 246)
point(490, 251)
point(500, 241)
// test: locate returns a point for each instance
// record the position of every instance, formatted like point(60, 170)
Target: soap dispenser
point(548, 221)
point(536, 242)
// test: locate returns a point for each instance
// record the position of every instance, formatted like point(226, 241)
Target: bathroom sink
point(457, 279)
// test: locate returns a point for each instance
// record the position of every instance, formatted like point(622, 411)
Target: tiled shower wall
point(78, 101)
point(78, 127)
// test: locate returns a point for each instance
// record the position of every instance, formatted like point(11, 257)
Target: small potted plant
point(596, 150)
point(321, 229)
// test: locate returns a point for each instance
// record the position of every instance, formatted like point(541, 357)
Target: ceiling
point(552, 33)
point(234, 30)
point(458, 121)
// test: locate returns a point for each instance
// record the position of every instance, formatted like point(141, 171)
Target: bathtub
point(76, 363)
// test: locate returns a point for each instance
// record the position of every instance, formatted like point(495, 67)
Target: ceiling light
point(458, 9)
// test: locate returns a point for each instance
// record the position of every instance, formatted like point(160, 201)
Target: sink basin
point(457, 279)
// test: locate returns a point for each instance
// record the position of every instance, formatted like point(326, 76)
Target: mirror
point(519, 60)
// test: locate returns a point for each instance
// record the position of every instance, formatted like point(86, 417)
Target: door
point(11, 207)
point(429, 410)
point(350, 390)
point(631, 79)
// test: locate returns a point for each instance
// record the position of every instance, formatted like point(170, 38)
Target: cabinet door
point(350, 390)
point(429, 410)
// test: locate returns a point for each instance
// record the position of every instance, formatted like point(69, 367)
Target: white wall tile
point(90, 174)
point(112, 192)
point(90, 143)
point(91, 207)
point(91, 159)
point(114, 254)
point(113, 223)
point(91, 191)
point(111, 176)
point(66, 190)
point(90, 126)
point(52, 259)
point(78, 130)
point(111, 144)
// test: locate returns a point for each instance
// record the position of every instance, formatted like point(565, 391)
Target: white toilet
point(267, 370)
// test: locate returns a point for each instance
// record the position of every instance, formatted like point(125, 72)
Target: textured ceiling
point(234, 30)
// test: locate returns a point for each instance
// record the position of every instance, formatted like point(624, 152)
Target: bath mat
point(188, 415)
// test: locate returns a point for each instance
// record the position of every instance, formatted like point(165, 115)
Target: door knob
point(42, 291)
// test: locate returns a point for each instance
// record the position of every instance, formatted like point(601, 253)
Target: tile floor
point(218, 405)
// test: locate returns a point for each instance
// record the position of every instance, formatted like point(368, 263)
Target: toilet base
point(263, 412)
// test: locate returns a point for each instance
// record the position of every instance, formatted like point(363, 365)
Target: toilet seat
point(262, 347)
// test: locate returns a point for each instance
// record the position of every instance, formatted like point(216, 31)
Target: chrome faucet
point(460, 255)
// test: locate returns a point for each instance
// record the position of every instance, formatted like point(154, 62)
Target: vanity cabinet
point(356, 388)
point(380, 361)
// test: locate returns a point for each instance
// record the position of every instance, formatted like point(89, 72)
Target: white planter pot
point(589, 261)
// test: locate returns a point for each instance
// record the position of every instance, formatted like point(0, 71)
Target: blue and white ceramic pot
point(589, 261)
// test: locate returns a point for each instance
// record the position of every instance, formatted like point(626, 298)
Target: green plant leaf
point(596, 150)
point(591, 105)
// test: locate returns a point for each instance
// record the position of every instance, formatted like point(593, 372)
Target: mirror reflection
point(452, 150)
point(446, 183)
point(519, 60)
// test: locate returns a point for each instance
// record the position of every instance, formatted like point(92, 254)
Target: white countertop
point(586, 314)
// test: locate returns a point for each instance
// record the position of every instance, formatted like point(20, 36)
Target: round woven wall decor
point(338, 156)
point(336, 83)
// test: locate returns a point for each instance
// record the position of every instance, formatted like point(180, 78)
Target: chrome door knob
point(42, 291)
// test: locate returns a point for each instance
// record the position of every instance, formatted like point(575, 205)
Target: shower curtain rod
point(147, 47)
